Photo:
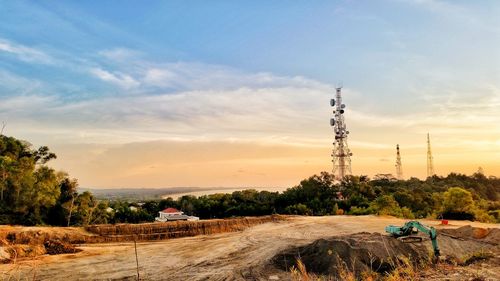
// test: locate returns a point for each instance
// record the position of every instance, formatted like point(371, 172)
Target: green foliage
point(357, 195)
point(457, 199)
point(386, 205)
point(406, 213)
point(32, 193)
point(298, 209)
point(335, 209)
point(360, 211)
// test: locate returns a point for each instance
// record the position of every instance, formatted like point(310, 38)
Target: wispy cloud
point(120, 79)
point(24, 53)
point(193, 101)
point(119, 54)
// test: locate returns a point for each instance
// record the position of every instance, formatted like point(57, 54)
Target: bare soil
point(245, 255)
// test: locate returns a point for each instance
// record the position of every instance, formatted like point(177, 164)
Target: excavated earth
point(364, 253)
point(327, 246)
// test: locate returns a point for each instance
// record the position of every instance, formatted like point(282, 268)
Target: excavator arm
point(413, 227)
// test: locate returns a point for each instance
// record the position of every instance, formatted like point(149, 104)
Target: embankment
point(23, 242)
point(160, 231)
point(128, 232)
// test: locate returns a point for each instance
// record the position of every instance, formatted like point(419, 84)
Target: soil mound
point(487, 235)
point(357, 253)
point(56, 247)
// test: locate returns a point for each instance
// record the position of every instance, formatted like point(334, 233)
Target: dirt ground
point(244, 255)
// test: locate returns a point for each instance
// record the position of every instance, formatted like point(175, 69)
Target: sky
point(236, 93)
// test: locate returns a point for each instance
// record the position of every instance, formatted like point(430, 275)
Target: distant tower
point(399, 166)
point(430, 162)
point(341, 153)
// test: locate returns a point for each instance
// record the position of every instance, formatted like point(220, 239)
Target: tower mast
point(341, 154)
point(430, 162)
point(399, 166)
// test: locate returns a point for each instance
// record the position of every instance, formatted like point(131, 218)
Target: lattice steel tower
point(430, 161)
point(341, 154)
point(399, 166)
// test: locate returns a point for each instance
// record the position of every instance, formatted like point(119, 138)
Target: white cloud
point(160, 77)
point(119, 54)
point(120, 79)
point(25, 53)
point(195, 101)
point(25, 103)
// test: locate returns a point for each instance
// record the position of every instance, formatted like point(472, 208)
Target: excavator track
point(410, 239)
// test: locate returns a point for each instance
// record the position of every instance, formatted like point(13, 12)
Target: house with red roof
point(172, 214)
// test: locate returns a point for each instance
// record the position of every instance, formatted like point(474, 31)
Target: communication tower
point(399, 166)
point(430, 161)
point(341, 154)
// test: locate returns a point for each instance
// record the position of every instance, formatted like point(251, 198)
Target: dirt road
point(242, 255)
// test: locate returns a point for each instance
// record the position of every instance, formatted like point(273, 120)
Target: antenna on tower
point(430, 161)
point(341, 154)
point(399, 166)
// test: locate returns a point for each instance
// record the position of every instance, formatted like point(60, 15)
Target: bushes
point(32, 193)
point(298, 209)
point(458, 203)
point(386, 205)
point(319, 195)
point(360, 211)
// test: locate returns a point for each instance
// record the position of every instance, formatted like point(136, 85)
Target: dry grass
point(475, 257)
point(39, 235)
point(404, 270)
point(299, 273)
point(27, 270)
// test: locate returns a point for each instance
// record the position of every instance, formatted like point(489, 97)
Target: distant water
point(222, 190)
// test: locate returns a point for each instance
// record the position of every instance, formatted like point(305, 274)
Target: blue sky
point(87, 77)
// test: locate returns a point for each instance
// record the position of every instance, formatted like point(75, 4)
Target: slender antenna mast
point(399, 166)
point(430, 161)
point(341, 154)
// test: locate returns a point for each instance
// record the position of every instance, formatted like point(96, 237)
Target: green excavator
point(406, 233)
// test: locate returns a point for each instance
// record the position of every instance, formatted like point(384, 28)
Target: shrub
point(298, 209)
point(407, 214)
point(360, 211)
point(386, 205)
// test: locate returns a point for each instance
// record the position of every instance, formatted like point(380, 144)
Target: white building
point(172, 214)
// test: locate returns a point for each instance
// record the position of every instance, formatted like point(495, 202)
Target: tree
point(386, 205)
point(298, 209)
point(6, 166)
point(457, 200)
point(44, 193)
point(62, 212)
point(458, 204)
point(43, 155)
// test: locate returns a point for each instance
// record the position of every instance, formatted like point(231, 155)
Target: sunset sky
point(236, 93)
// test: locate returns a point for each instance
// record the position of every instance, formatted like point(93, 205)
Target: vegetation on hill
point(456, 196)
point(32, 193)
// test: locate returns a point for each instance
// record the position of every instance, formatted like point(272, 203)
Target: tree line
point(31, 193)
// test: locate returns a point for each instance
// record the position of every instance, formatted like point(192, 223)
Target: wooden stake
point(136, 258)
